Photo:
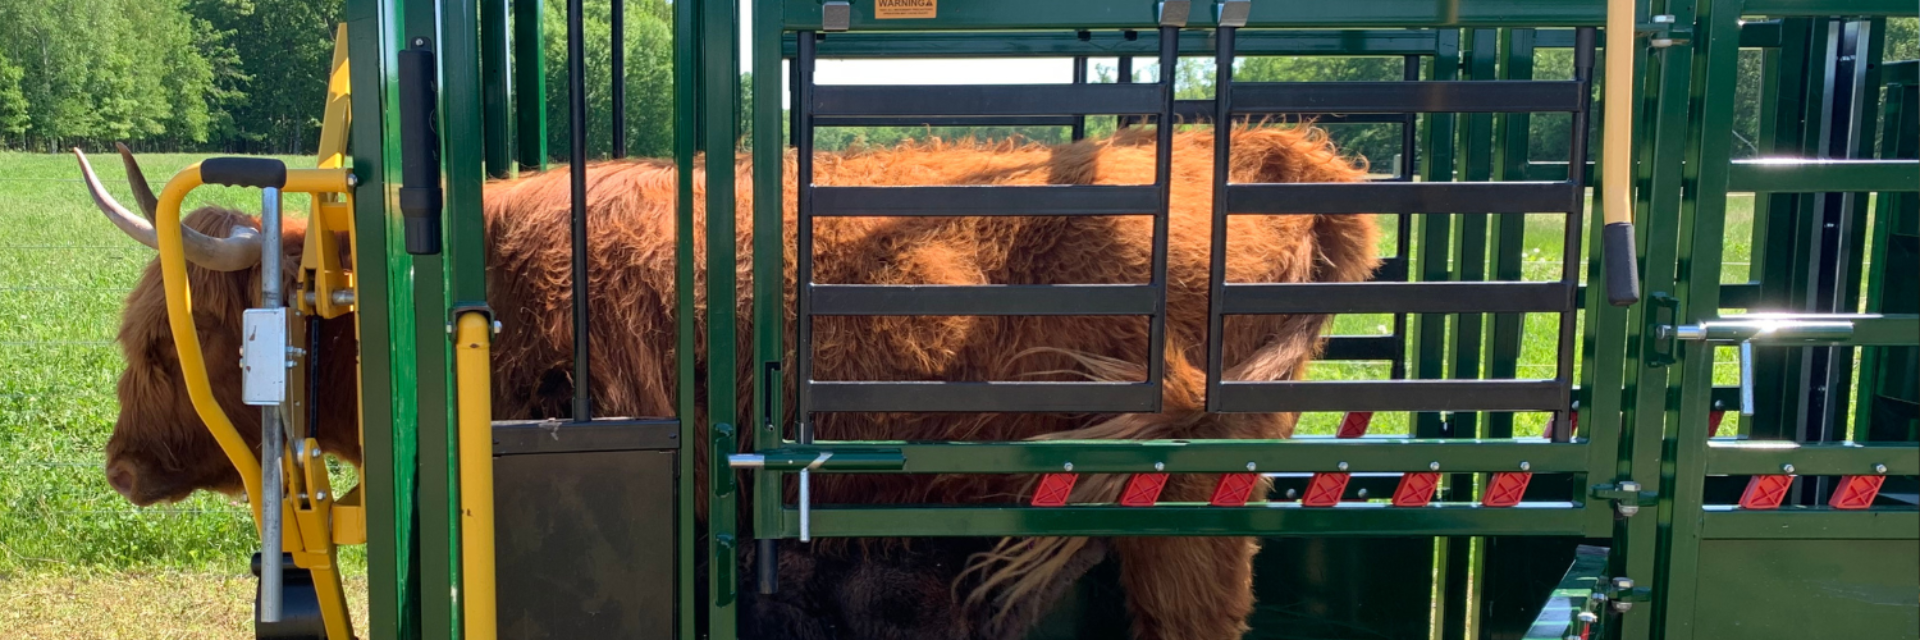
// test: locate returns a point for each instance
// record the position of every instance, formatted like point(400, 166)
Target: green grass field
point(66, 539)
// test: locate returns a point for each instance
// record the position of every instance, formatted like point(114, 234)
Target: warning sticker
point(904, 9)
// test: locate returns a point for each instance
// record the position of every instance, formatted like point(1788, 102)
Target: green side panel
point(529, 84)
point(1808, 590)
point(392, 582)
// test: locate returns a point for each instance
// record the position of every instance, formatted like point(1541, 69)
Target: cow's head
point(160, 450)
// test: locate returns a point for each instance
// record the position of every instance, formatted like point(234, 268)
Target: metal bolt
point(1159, 466)
point(1433, 466)
point(1660, 43)
point(1588, 617)
point(353, 180)
point(1880, 468)
point(1663, 18)
point(315, 453)
point(1362, 494)
point(496, 327)
point(1526, 466)
point(1250, 466)
point(1717, 404)
point(1788, 468)
point(1293, 494)
point(1343, 466)
point(321, 497)
point(1069, 466)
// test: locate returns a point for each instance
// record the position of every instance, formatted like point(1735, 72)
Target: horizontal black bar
point(984, 300)
point(1754, 34)
point(1403, 197)
point(984, 397)
point(1397, 297)
point(1391, 395)
point(1029, 44)
point(987, 200)
point(1392, 269)
point(1202, 111)
point(1739, 296)
point(985, 100)
point(516, 437)
point(1425, 96)
point(951, 121)
point(1361, 348)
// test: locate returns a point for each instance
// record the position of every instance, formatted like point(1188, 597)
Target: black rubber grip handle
point(1623, 269)
point(420, 200)
point(259, 173)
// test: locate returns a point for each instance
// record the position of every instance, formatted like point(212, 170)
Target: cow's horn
point(137, 180)
point(239, 250)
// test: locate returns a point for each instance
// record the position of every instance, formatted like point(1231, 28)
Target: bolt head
point(1159, 466)
point(1880, 469)
point(1588, 617)
point(1788, 468)
point(1363, 494)
point(1526, 466)
point(1343, 466)
point(1068, 466)
point(1293, 494)
point(1251, 466)
point(1433, 466)
point(321, 496)
point(1628, 510)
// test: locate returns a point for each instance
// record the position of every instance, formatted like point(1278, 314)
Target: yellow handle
point(1616, 151)
point(472, 359)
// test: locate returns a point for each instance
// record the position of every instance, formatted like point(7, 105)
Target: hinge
point(1623, 595)
point(1627, 497)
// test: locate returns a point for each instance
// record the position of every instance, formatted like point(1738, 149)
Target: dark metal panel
point(985, 100)
point(986, 200)
point(802, 15)
point(1801, 523)
point(1801, 589)
point(1424, 96)
point(984, 397)
point(984, 300)
point(1402, 197)
point(511, 437)
point(1392, 395)
point(1397, 297)
point(1115, 43)
point(1296, 455)
point(585, 548)
point(1378, 348)
point(1823, 176)
point(949, 121)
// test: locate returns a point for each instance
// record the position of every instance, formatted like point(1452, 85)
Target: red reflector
point(1325, 490)
point(1713, 423)
point(1416, 489)
point(1573, 423)
point(1143, 489)
point(1234, 489)
point(1506, 489)
point(1765, 492)
point(1355, 424)
point(1054, 489)
point(1856, 492)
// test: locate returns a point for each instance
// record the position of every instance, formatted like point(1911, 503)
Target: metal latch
point(1623, 595)
point(1769, 328)
point(1627, 497)
point(264, 357)
point(1665, 31)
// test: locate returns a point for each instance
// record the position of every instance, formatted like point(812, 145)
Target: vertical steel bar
point(769, 284)
point(1435, 231)
point(1583, 55)
point(719, 110)
point(496, 88)
point(803, 253)
point(577, 168)
point(1510, 149)
point(1079, 77)
point(1124, 76)
point(1403, 223)
point(272, 442)
point(690, 606)
point(530, 83)
point(618, 78)
point(1222, 162)
point(1163, 180)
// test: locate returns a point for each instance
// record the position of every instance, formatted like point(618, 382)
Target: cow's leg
point(1187, 588)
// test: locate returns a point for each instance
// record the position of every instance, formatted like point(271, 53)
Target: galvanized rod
point(577, 167)
point(619, 79)
point(1163, 180)
point(1746, 378)
point(1583, 49)
point(803, 260)
point(1222, 161)
point(271, 440)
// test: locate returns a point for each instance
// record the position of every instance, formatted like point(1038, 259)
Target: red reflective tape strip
point(1355, 424)
point(1143, 489)
point(1573, 423)
point(1765, 492)
point(1325, 489)
point(1856, 492)
point(1416, 489)
point(1713, 423)
point(1054, 489)
point(1506, 489)
point(1234, 489)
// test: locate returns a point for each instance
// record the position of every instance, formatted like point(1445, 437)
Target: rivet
point(1363, 494)
point(316, 453)
point(1343, 466)
point(322, 496)
point(1526, 466)
point(1293, 494)
point(1069, 466)
point(1880, 468)
point(1433, 466)
point(1159, 466)
point(1250, 466)
point(1786, 468)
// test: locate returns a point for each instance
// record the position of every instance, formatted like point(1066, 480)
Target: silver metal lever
point(272, 442)
point(1768, 328)
point(806, 506)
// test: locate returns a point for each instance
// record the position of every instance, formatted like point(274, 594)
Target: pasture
point(78, 561)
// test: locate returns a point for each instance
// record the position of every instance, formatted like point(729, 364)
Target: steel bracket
point(1664, 31)
point(1663, 314)
point(1627, 496)
point(1623, 594)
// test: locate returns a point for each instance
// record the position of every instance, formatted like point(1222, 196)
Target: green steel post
point(497, 90)
point(1662, 83)
point(720, 94)
point(467, 132)
point(1509, 163)
point(1430, 329)
point(1717, 46)
point(1839, 381)
point(1887, 374)
point(530, 84)
point(689, 604)
point(769, 307)
point(392, 584)
point(1781, 220)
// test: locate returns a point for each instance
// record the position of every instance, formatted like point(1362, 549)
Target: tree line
point(249, 76)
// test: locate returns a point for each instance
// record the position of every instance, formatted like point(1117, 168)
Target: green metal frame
point(1641, 417)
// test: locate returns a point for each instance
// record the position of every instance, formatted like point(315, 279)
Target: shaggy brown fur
point(1178, 588)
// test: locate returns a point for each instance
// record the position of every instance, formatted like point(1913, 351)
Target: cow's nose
point(122, 477)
